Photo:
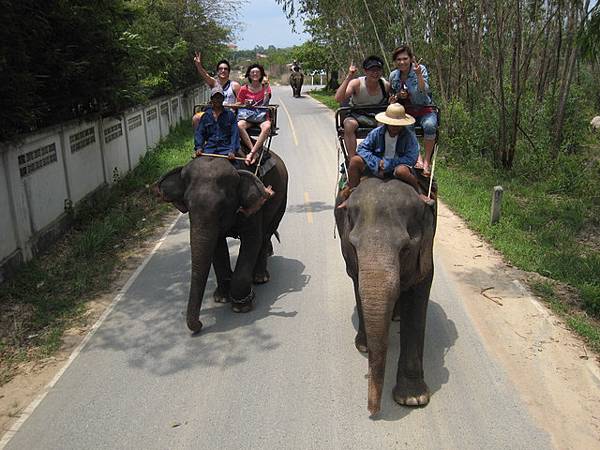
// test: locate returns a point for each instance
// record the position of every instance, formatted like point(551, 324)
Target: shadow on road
point(149, 325)
point(313, 207)
point(440, 336)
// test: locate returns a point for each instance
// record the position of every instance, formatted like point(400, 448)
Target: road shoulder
point(555, 374)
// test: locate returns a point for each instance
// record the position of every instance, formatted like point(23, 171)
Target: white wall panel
point(42, 176)
point(136, 138)
point(83, 159)
point(116, 162)
point(164, 116)
point(176, 107)
point(152, 125)
point(8, 234)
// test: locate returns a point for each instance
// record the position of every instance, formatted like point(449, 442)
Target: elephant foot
point(220, 296)
point(360, 341)
point(243, 305)
point(195, 326)
point(261, 278)
point(411, 392)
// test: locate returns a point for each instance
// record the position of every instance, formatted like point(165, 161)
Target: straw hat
point(395, 115)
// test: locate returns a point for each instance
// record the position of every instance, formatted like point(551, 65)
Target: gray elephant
point(296, 81)
point(386, 234)
point(225, 202)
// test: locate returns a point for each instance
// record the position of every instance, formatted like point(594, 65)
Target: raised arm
point(422, 77)
point(203, 73)
point(345, 91)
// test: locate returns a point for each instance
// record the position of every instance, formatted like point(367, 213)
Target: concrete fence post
point(496, 204)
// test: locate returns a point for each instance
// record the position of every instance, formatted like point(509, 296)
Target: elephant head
point(213, 192)
point(387, 238)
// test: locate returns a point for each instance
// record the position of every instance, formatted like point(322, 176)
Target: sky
point(265, 24)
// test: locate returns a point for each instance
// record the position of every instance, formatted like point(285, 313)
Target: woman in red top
point(255, 93)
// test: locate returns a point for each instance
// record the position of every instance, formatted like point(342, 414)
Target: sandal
point(426, 171)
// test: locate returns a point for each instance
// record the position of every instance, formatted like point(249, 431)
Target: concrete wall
point(45, 172)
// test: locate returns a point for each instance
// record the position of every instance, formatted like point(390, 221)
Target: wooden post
point(496, 204)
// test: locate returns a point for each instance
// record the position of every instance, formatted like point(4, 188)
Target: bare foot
point(426, 169)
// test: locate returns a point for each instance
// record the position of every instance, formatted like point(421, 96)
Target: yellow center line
point(309, 217)
point(287, 113)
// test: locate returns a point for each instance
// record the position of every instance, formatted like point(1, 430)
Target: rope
point(214, 155)
point(262, 152)
point(432, 170)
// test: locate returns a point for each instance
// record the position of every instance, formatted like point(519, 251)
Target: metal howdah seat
point(255, 129)
point(361, 132)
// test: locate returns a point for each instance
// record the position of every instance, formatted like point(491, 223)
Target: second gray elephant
point(386, 234)
point(225, 202)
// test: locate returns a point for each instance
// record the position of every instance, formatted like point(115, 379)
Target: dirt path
point(557, 377)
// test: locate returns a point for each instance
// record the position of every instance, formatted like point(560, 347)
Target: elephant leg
point(397, 311)
point(222, 266)
point(241, 293)
point(261, 274)
point(360, 341)
point(410, 389)
point(269, 247)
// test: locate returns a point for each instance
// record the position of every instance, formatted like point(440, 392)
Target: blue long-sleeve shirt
point(220, 135)
point(418, 97)
point(372, 150)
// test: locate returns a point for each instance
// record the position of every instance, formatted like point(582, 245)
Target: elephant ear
point(252, 193)
point(171, 188)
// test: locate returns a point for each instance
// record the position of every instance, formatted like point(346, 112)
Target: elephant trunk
point(379, 288)
point(203, 245)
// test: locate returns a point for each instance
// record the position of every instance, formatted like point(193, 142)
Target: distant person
point(369, 90)
point(256, 93)
point(410, 87)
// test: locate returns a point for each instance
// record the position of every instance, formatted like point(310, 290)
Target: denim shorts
point(429, 124)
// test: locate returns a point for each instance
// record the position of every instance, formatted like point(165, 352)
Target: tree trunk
point(565, 84)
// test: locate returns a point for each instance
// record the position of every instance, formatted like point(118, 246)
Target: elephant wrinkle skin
point(225, 202)
point(386, 234)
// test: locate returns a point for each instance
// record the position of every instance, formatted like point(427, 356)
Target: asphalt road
point(285, 375)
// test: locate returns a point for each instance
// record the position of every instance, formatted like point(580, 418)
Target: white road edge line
point(27, 412)
point(287, 113)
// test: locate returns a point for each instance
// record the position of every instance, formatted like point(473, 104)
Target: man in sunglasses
point(230, 87)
